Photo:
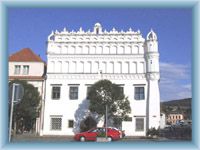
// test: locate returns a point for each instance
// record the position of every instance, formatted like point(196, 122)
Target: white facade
point(162, 120)
point(76, 60)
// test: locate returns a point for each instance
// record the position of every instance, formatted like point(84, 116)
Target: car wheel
point(82, 139)
point(109, 139)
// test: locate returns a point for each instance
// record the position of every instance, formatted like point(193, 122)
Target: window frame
point(26, 69)
point(56, 123)
point(87, 92)
point(52, 92)
point(139, 125)
point(73, 92)
point(139, 95)
point(17, 70)
point(70, 122)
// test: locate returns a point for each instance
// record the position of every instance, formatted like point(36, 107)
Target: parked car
point(122, 132)
point(92, 134)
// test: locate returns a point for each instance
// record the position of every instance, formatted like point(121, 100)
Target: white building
point(162, 120)
point(26, 65)
point(76, 60)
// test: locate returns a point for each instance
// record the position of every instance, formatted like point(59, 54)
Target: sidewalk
point(36, 138)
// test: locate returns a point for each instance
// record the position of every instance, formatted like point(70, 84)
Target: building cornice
point(28, 78)
point(96, 76)
point(95, 56)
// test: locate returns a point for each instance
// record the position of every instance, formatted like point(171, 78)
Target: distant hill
point(183, 106)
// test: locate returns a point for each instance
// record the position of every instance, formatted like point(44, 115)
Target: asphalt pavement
point(37, 138)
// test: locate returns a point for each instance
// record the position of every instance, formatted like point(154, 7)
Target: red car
point(92, 134)
point(122, 132)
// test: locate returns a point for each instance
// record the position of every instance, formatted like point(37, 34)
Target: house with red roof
point(26, 65)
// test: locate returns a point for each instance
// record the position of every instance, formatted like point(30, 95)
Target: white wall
point(35, 68)
point(89, 65)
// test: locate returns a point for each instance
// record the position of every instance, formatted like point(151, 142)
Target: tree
point(103, 93)
point(27, 110)
point(87, 124)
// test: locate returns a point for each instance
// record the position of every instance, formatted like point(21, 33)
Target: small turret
point(152, 55)
point(151, 42)
point(97, 28)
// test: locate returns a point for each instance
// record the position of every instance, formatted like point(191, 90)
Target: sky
point(30, 27)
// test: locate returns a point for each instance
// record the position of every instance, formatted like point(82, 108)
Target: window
point(17, 69)
point(26, 70)
point(70, 123)
point(139, 124)
point(121, 90)
point(56, 123)
point(139, 93)
point(56, 92)
point(73, 93)
point(88, 90)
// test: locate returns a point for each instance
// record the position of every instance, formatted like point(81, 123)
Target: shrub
point(101, 134)
point(153, 132)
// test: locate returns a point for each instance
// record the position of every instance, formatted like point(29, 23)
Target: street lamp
point(16, 96)
point(103, 94)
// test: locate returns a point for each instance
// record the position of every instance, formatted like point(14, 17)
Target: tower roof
point(151, 35)
point(25, 55)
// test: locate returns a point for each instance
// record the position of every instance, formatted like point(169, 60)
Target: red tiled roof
point(26, 77)
point(25, 55)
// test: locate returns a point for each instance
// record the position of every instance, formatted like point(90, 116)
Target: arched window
point(58, 66)
point(87, 67)
point(103, 67)
point(99, 50)
point(110, 67)
point(118, 67)
point(133, 67)
point(113, 50)
point(80, 67)
point(86, 50)
point(125, 68)
point(95, 67)
point(120, 50)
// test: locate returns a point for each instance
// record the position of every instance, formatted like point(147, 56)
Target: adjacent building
point(174, 118)
point(77, 59)
point(26, 65)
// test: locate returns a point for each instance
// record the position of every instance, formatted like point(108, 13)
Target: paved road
point(36, 138)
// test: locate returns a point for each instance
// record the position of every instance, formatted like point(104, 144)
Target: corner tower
point(153, 77)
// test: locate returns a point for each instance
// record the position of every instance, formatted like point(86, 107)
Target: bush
point(87, 124)
point(101, 134)
point(153, 132)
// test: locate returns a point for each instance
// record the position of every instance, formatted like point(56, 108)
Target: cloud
point(175, 82)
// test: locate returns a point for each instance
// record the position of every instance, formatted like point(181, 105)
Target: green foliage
point(87, 124)
point(28, 109)
point(103, 93)
point(102, 134)
point(153, 132)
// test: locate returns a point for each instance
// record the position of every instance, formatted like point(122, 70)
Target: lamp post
point(16, 96)
point(106, 121)
point(103, 95)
